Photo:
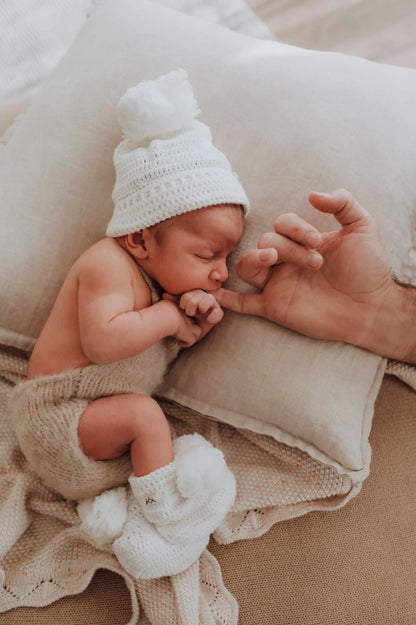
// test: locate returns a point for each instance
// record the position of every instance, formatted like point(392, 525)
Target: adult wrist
point(391, 323)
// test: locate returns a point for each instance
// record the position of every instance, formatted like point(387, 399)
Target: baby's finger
point(215, 315)
point(189, 302)
point(291, 252)
point(190, 336)
point(293, 226)
point(185, 303)
point(170, 297)
point(206, 303)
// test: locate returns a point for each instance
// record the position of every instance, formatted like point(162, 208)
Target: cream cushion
point(290, 121)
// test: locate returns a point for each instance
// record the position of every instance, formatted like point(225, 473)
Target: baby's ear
point(136, 244)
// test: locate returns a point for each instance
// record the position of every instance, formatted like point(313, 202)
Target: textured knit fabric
point(404, 371)
point(157, 548)
point(159, 528)
point(46, 412)
point(177, 170)
point(44, 555)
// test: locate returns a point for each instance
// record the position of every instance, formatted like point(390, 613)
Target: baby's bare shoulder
point(107, 266)
point(101, 251)
point(105, 257)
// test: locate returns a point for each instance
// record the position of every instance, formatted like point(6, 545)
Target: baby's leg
point(110, 426)
point(159, 529)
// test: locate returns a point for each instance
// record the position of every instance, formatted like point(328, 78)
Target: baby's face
point(190, 251)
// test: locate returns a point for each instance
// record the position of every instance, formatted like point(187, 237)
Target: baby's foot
point(205, 518)
point(103, 516)
point(178, 489)
point(145, 554)
point(187, 499)
point(158, 496)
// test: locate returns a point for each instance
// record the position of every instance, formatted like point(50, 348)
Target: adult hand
point(325, 285)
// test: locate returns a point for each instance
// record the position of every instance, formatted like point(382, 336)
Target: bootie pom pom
point(200, 467)
point(103, 516)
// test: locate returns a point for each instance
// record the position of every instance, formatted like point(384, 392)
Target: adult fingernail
point(321, 193)
point(264, 255)
point(313, 260)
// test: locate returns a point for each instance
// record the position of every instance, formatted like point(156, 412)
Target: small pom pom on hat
point(157, 108)
point(166, 164)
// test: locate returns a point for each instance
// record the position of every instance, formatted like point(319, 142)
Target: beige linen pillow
point(290, 121)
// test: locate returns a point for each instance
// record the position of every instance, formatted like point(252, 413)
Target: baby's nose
point(220, 272)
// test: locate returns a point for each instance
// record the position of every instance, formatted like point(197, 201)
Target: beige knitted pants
point(45, 412)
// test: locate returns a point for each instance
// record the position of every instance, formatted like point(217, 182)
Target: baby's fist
point(201, 305)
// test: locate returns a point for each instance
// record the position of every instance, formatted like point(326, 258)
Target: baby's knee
point(142, 405)
point(145, 416)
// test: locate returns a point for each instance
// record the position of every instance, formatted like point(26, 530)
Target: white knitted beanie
point(166, 164)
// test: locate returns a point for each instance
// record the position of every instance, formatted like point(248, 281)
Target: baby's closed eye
point(205, 257)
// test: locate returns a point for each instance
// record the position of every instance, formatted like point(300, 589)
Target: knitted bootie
point(158, 496)
point(103, 516)
point(145, 554)
point(188, 498)
point(205, 518)
point(178, 489)
point(200, 467)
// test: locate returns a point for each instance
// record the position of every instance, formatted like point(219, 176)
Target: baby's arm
point(116, 321)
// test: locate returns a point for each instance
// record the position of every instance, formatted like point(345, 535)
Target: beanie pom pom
point(156, 109)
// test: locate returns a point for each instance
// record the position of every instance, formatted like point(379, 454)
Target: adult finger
point(291, 252)
point(345, 208)
point(293, 226)
point(245, 303)
point(254, 267)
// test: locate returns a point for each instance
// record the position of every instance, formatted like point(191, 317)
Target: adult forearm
point(393, 328)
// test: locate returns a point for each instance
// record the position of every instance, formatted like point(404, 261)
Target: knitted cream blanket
point(44, 555)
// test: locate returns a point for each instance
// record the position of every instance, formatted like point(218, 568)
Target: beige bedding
point(355, 567)
point(45, 555)
point(352, 568)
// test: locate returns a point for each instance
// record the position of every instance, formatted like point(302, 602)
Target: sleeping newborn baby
point(85, 418)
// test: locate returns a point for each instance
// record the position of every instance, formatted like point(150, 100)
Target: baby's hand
point(201, 305)
point(188, 331)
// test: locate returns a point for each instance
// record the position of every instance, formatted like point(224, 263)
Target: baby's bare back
point(59, 345)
